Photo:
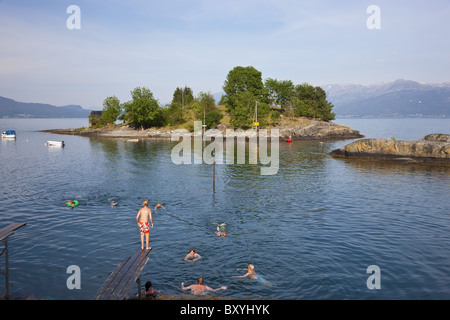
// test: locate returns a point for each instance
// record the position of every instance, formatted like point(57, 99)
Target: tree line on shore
point(246, 94)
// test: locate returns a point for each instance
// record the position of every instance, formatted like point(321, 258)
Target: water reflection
point(395, 167)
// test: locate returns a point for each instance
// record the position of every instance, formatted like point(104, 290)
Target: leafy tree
point(242, 113)
point(312, 101)
point(111, 110)
point(206, 108)
point(222, 100)
point(242, 79)
point(243, 88)
point(279, 92)
point(183, 97)
point(275, 117)
point(143, 110)
point(174, 114)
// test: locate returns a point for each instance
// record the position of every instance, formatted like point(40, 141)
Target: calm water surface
point(311, 230)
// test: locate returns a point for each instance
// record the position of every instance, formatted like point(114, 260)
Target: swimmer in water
point(72, 204)
point(159, 205)
point(250, 273)
point(220, 230)
point(192, 256)
point(200, 288)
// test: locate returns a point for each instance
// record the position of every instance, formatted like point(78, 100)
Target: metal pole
point(214, 173)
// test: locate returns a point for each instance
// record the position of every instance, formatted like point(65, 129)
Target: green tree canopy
point(279, 92)
point(312, 101)
point(143, 110)
point(206, 108)
point(243, 88)
point(111, 110)
point(242, 79)
point(183, 96)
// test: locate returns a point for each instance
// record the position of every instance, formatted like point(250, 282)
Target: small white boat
point(56, 143)
point(11, 134)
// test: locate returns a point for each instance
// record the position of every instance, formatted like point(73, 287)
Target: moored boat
point(56, 143)
point(9, 134)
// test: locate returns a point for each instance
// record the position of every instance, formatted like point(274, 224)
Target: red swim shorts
point(144, 227)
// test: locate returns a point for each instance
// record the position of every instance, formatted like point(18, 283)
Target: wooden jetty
point(121, 280)
point(5, 233)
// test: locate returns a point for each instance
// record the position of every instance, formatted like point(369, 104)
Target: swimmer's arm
point(210, 289)
point(245, 275)
point(185, 288)
point(196, 257)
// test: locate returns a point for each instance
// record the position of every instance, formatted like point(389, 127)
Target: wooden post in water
point(214, 170)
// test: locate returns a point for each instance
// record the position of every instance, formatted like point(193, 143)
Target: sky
point(162, 45)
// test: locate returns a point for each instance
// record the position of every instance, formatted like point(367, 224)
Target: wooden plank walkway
point(121, 280)
point(5, 233)
point(9, 230)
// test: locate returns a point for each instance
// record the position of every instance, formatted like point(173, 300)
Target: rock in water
point(431, 148)
point(320, 130)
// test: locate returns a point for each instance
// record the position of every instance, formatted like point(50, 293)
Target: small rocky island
point(433, 148)
point(298, 129)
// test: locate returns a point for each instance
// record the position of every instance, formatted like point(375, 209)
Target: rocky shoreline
point(304, 130)
point(433, 148)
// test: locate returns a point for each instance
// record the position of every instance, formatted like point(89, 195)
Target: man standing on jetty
point(142, 219)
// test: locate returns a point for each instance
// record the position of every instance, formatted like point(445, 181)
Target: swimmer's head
point(251, 267)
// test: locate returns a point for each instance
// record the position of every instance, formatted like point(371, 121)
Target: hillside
point(12, 109)
point(401, 98)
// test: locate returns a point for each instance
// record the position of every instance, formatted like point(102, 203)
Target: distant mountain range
point(13, 109)
point(401, 98)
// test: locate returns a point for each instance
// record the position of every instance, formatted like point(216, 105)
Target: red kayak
point(288, 140)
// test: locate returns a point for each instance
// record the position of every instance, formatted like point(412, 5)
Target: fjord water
point(311, 230)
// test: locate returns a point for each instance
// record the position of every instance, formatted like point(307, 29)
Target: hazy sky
point(161, 45)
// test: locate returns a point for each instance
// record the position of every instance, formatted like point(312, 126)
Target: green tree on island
point(243, 89)
point(143, 111)
point(183, 97)
point(111, 110)
point(176, 114)
point(245, 93)
point(206, 109)
point(312, 102)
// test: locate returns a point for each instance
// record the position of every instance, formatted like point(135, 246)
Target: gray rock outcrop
point(431, 148)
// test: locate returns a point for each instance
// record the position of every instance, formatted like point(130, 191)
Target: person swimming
point(220, 230)
point(251, 275)
point(159, 206)
point(192, 256)
point(72, 204)
point(200, 288)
